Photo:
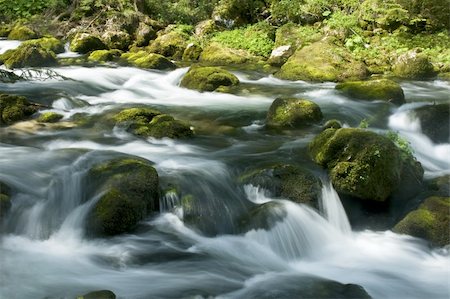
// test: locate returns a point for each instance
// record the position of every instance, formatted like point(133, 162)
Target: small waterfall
point(333, 209)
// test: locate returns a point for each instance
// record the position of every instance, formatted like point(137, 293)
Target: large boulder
point(171, 44)
point(381, 89)
point(147, 60)
point(435, 121)
point(217, 54)
point(14, 108)
point(85, 42)
point(21, 32)
point(144, 34)
point(288, 181)
point(120, 40)
point(413, 65)
point(146, 122)
point(5, 199)
point(431, 221)
point(28, 55)
point(208, 78)
point(293, 113)
point(364, 164)
point(129, 189)
point(322, 61)
point(49, 43)
point(192, 52)
point(104, 55)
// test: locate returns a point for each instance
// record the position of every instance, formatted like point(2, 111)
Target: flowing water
point(44, 252)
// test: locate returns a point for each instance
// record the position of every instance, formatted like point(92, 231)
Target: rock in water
point(381, 89)
point(208, 78)
point(293, 113)
point(85, 42)
point(14, 108)
point(435, 122)
point(413, 65)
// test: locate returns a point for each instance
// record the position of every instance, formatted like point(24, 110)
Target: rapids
point(44, 252)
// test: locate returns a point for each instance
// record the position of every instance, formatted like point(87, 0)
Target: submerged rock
point(208, 78)
point(14, 108)
point(145, 122)
point(435, 122)
point(364, 164)
point(322, 61)
point(85, 42)
point(381, 89)
point(293, 113)
point(49, 43)
point(103, 294)
point(263, 216)
point(431, 221)
point(49, 117)
point(28, 55)
point(5, 199)
point(21, 32)
point(287, 181)
point(147, 60)
point(130, 188)
point(413, 65)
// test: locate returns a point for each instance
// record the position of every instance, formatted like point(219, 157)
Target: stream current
point(44, 252)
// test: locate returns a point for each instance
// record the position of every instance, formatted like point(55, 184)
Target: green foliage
point(402, 144)
point(180, 11)
point(27, 8)
point(363, 124)
point(296, 35)
point(258, 39)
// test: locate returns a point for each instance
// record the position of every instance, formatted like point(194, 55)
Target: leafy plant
point(402, 144)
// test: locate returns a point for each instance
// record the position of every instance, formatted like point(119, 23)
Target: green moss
point(192, 52)
point(120, 40)
point(238, 12)
point(413, 65)
point(257, 39)
point(382, 89)
point(5, 30)
point(208, 78)
point(322, 61)
point(430, 221)
point(296, 36)
point(49, 43)
point(22, 33)
point(131, 191)
point(104, 55)
point(27, 55)
point(217, 54)
point(292, 113)
point(362, 164)
point(139, 115)
point(14, 108)
point(84, 43)
point(49, 117)
point(147, 60)
point(171, 44)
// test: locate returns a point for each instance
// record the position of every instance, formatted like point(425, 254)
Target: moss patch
point(171, 44)
point(84, 43)
point(208, 78)
point(14, 108)
point(49, 43)
point(22, 33)
point(147, 60)
point(413, 65)
point(27, 55)
point(217, 54)
point(104, 55)
point(293, 113)
point(49, 117)
point(382, 89)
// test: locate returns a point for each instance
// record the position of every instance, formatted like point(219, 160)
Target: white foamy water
point(6, 45)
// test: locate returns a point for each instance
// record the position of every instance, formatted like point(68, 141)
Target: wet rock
point(208, 78)
point(192, 52)
point(27, 55)
point(287, 181)
point(440, 186)
point(104, 55)
point(14, 108)
point(9, 77)
point(49, 43)
point(280, 55)
point(263, 216)
point(5, 199)
point(103, 294)
point(364, 164)
point(49, 117)
point(147, 60)
point(85, 42)
point(130, 188)
point(171, 44)
point(413, 65)
point(381, 89)
point(431, 221)
point(293, 113)
point(217, 54)
point(435, 122)
point(21, 32)
point(322, 61)
point(145, 122)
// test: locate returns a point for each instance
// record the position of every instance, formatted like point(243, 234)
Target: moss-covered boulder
point(322, 61)
point(146, 122)
point(237, 12)
point(292, 113)
point(104, 55)
point(85, 42)
point(287, 181)
point(435, 121)
point(192, 52)
point(208, 78)
point(296, 35)
point(431, 221)
point(49, 117)
point(22, 32)
point(14, 108)
point(171, 44)
point(147, 60)
point(27, 55)
point(49, 43)
point(103, 294)
point(217, 54)
point(206, 27)
point(413, 65)
point(5, 199)
point(120, 40)
point(381, 89)
point(144, 34)
point(363, 164)
point(130, 191)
